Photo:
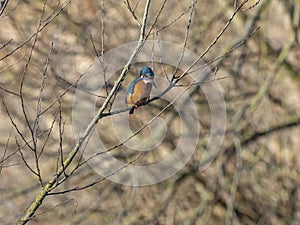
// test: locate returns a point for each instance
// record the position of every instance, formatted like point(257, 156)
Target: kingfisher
point(138, 90)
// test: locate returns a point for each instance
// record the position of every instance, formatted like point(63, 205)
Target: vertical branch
point(185, 39)
point(152, 52)
point(61, 132)
point(153, 26)
point(102, 44)
point(160, 58)
point(48, 135)
point(36, 125)
point(2, 159)
point(100, 59)
point(279, 61)
point(25, 73)
point(145, 18)
point(236, 179)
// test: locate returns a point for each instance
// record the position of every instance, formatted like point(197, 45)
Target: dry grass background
point(255, 178)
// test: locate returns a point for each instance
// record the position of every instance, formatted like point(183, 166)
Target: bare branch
point(4, 152)
point(100, 59)
point(23, 79)
point(185, 40)
point(175, 20)
point(24, 160)
point(65, 92)
point(252, 6)
point(99, 180)
point(132, 12)
point(61, 133)
point(10, 92)
point(6, 44)
point(15, 126)
point(48, 135)
point(156, 18)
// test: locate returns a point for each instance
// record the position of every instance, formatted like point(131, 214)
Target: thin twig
point(24, 160)
point(156, 18)
point(99, 180)
point(15, 126)
point(5, 150)
point(235, 181)
point(252, 6)
point(18, 149)
point(6, 43)
point(38, 113)
point(132, 12)
point(102, 45)
point(75, 86)
point(63, 93)
point(61, 133)
point(160, 58)
point(48, 135)
point(10, 92)
point(175, 20)
point(187, 31)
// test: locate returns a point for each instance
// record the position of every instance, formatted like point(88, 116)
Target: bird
point(138, 91)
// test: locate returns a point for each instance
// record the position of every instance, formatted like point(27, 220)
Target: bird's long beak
point(154, 84)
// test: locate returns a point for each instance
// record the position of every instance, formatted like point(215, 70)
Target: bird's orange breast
point(141, 92)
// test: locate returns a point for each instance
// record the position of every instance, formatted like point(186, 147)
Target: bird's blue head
point(147, 72)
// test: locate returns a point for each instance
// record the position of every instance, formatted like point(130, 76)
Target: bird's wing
point(130, 88)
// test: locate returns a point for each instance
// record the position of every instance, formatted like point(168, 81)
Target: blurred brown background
point(255, 178)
